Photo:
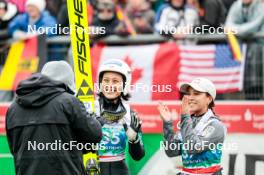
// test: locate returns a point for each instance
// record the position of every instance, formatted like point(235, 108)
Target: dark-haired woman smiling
point(201, 132)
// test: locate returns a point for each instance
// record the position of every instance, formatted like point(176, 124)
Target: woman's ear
point(210, 100)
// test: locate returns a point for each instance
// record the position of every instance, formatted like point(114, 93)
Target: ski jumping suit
point(199, 133)
point(112, 156)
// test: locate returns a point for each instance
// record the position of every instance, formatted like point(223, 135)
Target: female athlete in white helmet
point(201, 132)
point(122, 123)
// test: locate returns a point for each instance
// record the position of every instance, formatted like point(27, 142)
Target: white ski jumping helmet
point(119, 66)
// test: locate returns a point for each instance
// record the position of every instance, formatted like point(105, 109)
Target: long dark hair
point(211, 104)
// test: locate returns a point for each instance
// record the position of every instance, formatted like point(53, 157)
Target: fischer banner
point(77, 12)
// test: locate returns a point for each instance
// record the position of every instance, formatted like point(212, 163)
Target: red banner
point(239, 117)
point(3, 109)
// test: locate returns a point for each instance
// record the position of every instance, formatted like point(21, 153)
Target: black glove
point(134, 128)
point(135, 122)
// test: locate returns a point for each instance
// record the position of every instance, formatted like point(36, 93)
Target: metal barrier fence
point(254, 92)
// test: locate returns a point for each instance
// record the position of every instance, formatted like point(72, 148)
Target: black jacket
point(46, 112)
point(215, 13)
point(109, 25)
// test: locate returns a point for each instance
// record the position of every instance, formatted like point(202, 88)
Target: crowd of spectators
point(130, 17)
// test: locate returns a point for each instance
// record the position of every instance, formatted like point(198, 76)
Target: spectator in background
point(7, 12)
point(20, 5)
point(228, 3)
point(247, 17)
point(214, 13)
point(122, 3)
point(156, 4)
point(105, 16)
point(176, 15)
point(53, 6)
point(35, 16)
point(90, 11)
point(62, 17)
point(141, 15)
point(194, 4)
